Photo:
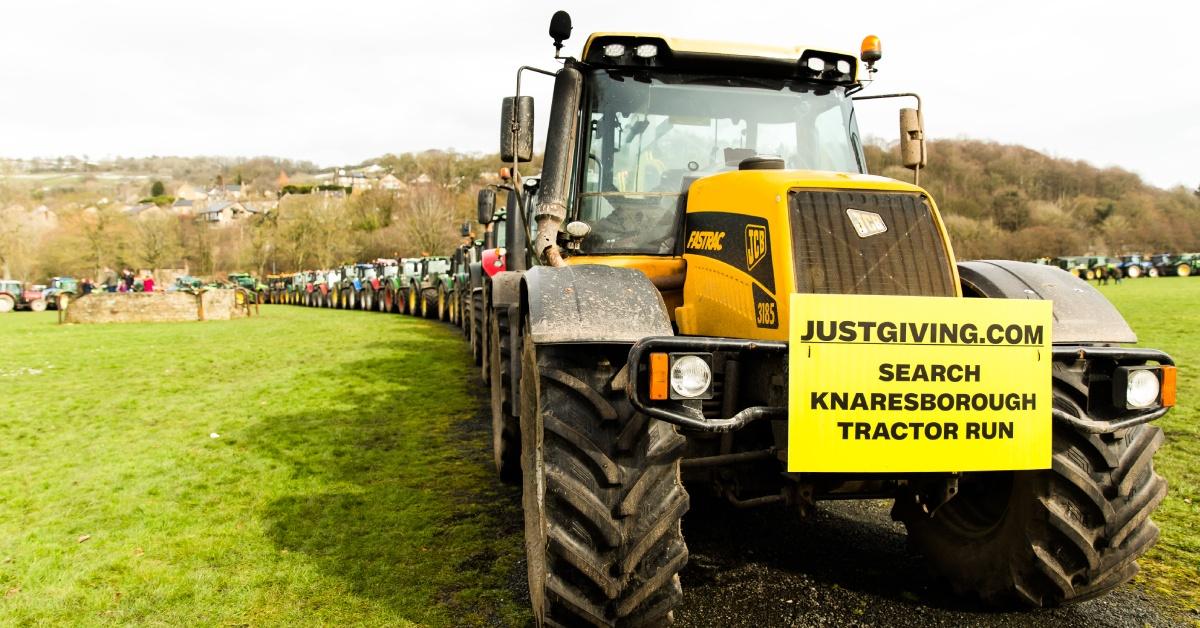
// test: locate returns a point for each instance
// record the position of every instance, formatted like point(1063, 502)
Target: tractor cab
point(724, 168)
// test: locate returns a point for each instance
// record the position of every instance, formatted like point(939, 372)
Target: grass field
point(346, 483)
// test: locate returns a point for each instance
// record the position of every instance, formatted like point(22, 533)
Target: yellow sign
point(918, 384)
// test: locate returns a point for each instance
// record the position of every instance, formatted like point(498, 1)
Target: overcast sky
point(338, 82)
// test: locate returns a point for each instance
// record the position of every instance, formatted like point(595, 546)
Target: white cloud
point(339, 82)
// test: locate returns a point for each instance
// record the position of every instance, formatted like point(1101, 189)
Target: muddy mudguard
point(506, 289)
point(1081, 314)
point(590, 303)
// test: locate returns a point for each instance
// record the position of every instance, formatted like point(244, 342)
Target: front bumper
point(689, 417)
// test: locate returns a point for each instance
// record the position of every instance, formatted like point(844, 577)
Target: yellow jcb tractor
point(721, 297)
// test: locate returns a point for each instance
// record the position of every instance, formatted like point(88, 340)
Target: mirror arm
point(513, 125)
point(924, 155)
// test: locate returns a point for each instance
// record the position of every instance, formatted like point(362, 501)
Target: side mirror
point(465, 229)
point(516, 144)
point(487, 205)
point(912, 139)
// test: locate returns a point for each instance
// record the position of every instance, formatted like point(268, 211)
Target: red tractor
point(14, 296)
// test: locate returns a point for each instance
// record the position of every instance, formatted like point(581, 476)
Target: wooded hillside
point(1003, 201)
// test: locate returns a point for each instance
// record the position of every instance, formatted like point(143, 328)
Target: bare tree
point(157, 240)
point(13, 238)
point(428, 220)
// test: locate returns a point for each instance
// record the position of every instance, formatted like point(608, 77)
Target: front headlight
point(1142, 388)
point(690, 377)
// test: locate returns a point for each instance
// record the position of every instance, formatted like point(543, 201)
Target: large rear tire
point(1183, 270)
point(443, 305)
point(506, 426)
point(476, 330)
point(7, 303)
point(1133, 272)
point(37, 305)
point(412, 308)
point(1044, 538)
point(601, 493)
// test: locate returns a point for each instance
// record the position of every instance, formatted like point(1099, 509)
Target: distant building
point(222, 212)
point(390, 182)
point(191, 192)
point(183, 205)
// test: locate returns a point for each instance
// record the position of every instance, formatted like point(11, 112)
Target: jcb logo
point(756, 245)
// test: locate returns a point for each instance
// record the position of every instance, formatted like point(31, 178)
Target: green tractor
point(1104, 267)
point(247, 282)
point(408, 273)
point(424, 290)
point(460, 270)
point(60, 287)
point(1076, 265)
point(277, 287)
point(1182, 265)
point(186, 283)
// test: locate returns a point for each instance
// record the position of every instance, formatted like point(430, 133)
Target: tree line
point(1011, 202)
point(998, 201)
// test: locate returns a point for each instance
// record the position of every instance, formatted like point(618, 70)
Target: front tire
point(1054, 536)
point(37, 305)
point(601, 493)
point(1183, 270)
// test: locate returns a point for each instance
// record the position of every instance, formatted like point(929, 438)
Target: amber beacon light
point(872, 51)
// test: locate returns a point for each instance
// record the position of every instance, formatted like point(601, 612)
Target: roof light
point(843, 66)
point(614, 50)
point(646, 51)
point(872, 50)
point(816, 64)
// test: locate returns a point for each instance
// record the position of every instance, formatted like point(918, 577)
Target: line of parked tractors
point(448, 288)
point(1131, 266)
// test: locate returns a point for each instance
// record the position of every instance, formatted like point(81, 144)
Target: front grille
point(831, 258)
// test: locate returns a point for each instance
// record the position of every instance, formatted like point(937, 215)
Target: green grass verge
point(1165, 313)
point(347, 484)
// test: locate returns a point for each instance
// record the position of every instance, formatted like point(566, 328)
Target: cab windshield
point(651, 136)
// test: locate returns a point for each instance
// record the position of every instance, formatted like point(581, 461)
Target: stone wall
point(153, 307)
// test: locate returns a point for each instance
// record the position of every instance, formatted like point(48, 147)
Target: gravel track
point(848, 565)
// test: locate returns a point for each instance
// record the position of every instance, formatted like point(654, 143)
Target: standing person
point(85, 286)
point(148, 283)
point(128, 277)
